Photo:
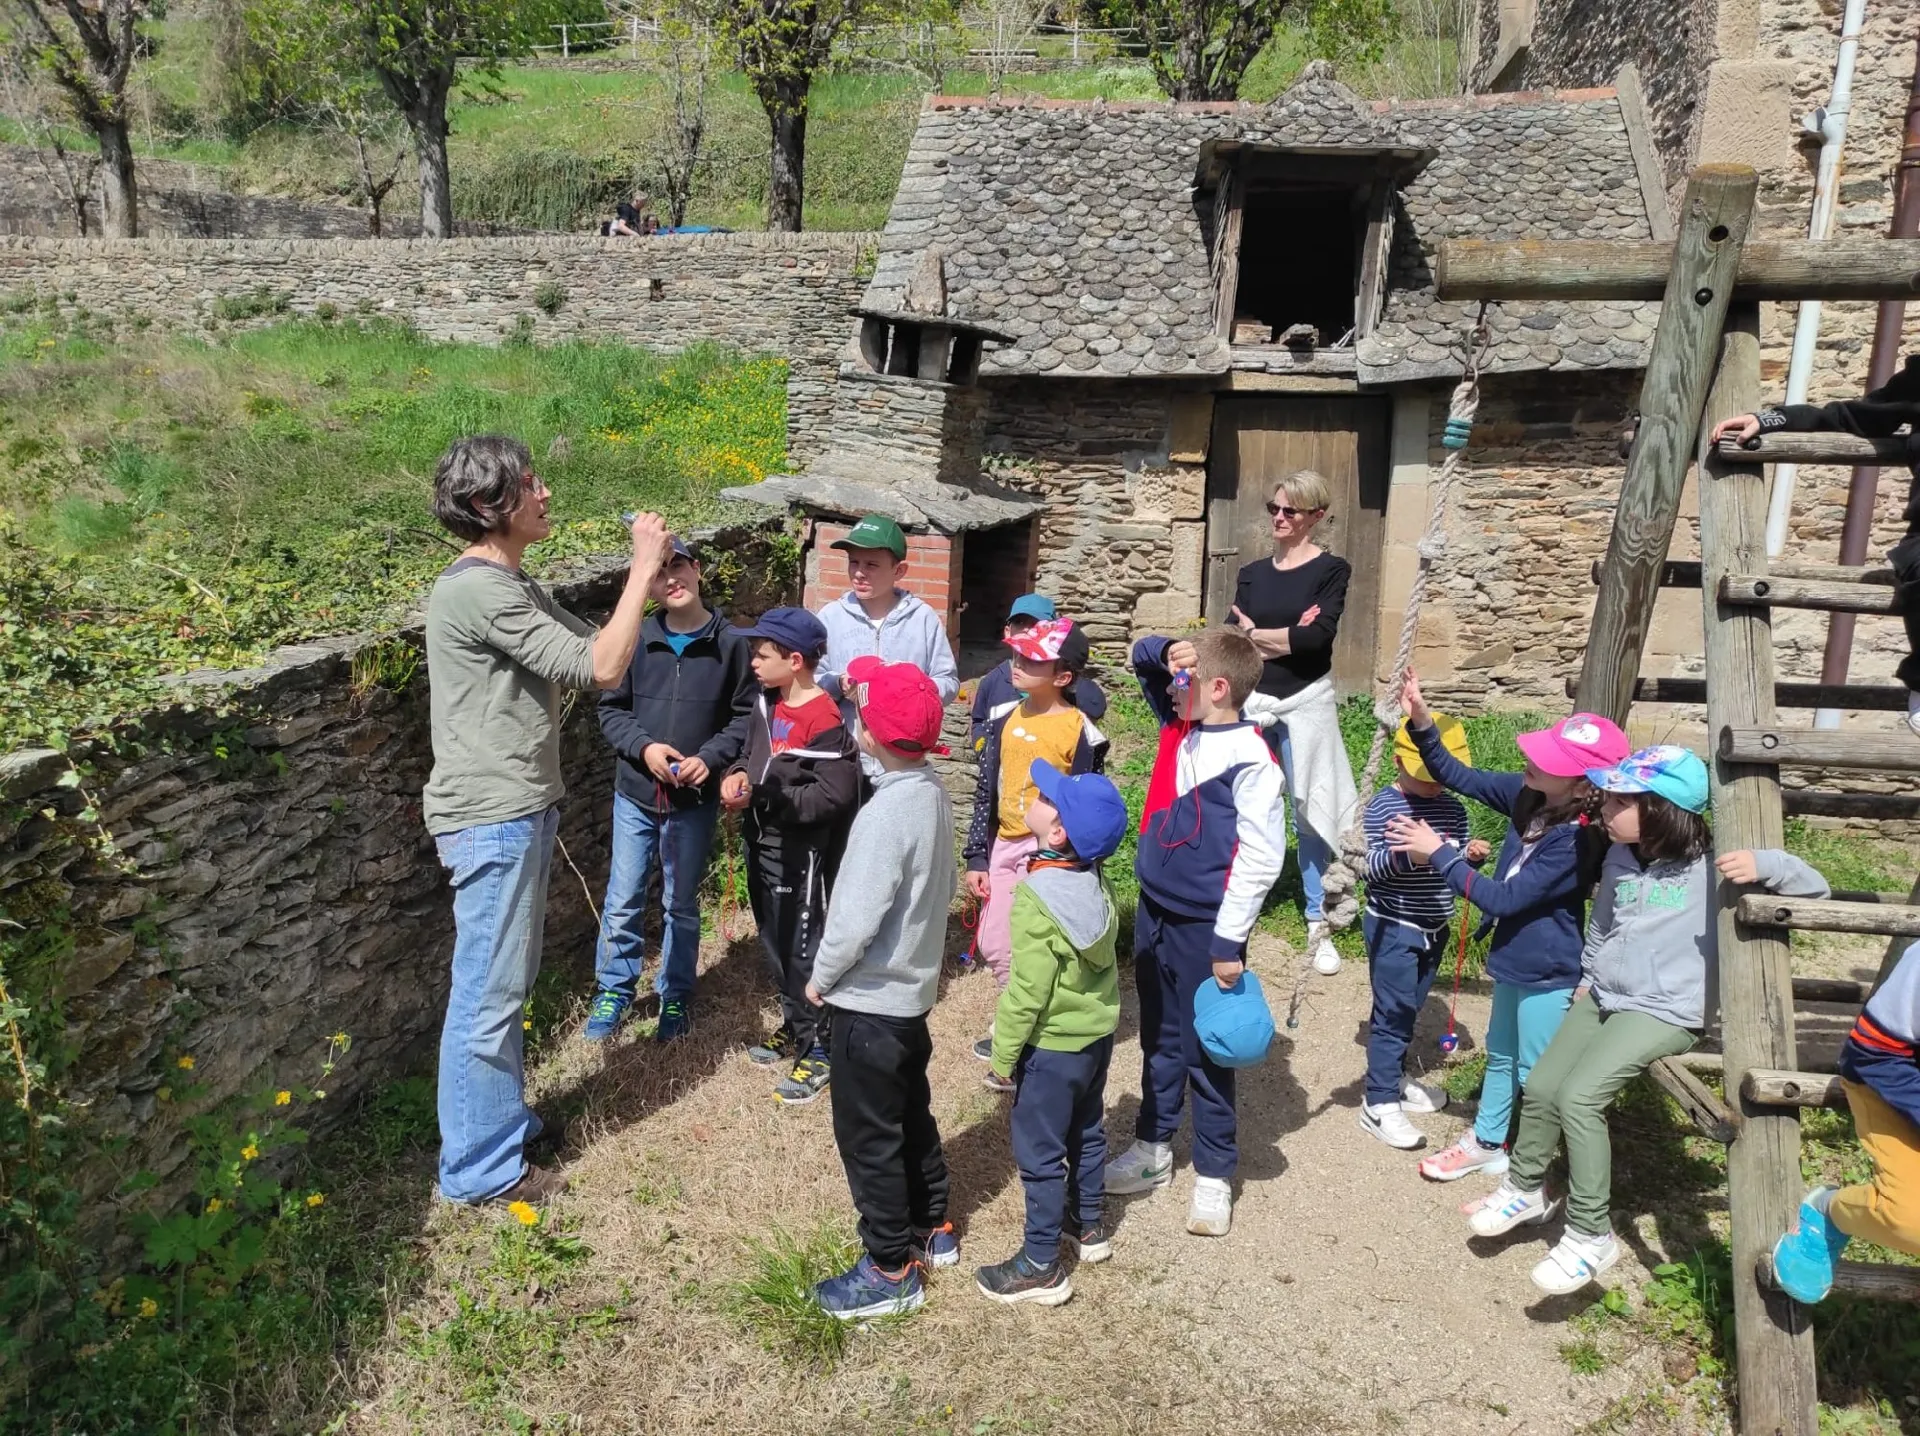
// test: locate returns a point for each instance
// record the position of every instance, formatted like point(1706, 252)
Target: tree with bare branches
point(683, 57)
point(24, 100)
point(85, 48)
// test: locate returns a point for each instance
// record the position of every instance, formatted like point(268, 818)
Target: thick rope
point(1341, 880)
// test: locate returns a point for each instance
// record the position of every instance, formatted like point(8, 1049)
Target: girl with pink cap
point(1533, 898)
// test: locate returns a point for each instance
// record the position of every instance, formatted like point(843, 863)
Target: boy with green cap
point(876, 617)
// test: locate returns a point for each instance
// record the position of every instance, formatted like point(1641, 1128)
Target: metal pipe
point(1830, 124)
point(1861, 493)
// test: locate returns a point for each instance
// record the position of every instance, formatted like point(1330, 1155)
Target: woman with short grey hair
point(501, 655)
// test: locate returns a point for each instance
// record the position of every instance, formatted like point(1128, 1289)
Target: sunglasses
point(1292, 513)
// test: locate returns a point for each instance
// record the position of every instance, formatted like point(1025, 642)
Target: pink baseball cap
point(1576, 743)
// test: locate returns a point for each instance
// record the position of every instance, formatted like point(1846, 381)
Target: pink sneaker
point(1463, 1159)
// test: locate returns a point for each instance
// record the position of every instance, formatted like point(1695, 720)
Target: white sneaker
point(1506, 1207)
point(1210, 1214)
point(1143, 1167)
point(1390, 1125)
point(1574, 1261)
point(1463, 1159)
point(1422, 1098)
point(1326, 957)
point(1913, 710)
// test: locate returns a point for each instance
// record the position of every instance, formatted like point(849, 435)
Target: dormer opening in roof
point(1303, 205)
point(920, 339)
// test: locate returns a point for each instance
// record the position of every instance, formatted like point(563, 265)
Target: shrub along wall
point(273, 885)
point(786, 294)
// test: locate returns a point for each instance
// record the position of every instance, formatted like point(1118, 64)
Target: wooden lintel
point(1550, 269)
point(1253, 381)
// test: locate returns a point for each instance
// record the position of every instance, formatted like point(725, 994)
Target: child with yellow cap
point(1409, 911)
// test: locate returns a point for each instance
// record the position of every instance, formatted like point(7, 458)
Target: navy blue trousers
point(1170, 961)
point(1401, 962)
point(1060, 1140)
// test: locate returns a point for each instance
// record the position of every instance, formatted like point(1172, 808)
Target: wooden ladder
point(1705, 366)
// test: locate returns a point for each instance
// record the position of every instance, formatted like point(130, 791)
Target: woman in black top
point(1290, 606)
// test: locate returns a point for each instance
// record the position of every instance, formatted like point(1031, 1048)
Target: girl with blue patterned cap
point(1648, 987)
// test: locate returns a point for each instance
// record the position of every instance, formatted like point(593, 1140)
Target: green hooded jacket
point(1063, 992)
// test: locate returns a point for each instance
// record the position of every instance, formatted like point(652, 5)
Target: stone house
point(1098, 335)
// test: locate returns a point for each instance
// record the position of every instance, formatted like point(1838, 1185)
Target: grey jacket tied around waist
point(1652, 940)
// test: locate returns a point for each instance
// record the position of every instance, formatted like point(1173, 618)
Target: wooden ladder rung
point(1843, 990)
point(1685, 572)
point(1710, 1115)
point(1769, 590)
point(1822, 748)
point(1768, 1088)
point(1849, 697)
point(1819, 448)
point(1819, 803)
point(1876, 1281)
point(1827, 915)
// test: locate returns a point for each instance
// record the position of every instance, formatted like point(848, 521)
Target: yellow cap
point(1453, 737)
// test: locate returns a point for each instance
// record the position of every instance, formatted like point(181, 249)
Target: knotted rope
point(1342, 877)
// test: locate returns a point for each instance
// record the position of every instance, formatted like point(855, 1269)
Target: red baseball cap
point(898, 704)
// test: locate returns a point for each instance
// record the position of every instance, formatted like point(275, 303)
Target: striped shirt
point(1398, 889)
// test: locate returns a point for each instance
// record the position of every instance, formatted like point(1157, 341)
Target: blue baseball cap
point(1674, 773)
point(1234, 1024)
point(1091, 809)
point(794, 629)
point(1033, 605)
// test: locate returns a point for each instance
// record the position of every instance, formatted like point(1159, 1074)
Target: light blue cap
point(1233, 1024)
point(1672, 772)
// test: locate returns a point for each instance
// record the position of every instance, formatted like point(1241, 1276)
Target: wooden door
point(1257, 442)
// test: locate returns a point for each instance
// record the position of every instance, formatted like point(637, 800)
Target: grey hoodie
point(887, 920)
point(910, 633)
point(1653, 943)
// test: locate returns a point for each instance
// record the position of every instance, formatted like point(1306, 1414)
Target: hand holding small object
point(1228, 973)
point(979, 885)
point(649, 536)
point(1739, 867)
point(735, 790)
point(1413, 702)
point(660, 760)
point(690, 772)
point(1180, 656)
point(1478, 850)
point(1415, 838)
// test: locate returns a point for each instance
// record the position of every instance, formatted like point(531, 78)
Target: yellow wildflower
point(339, 1039)
point(524, 1213)
point(163, 1094)
point(149, 1307)
point(249, 1152)
point(213, 1205)
point(526, 1024)
point(185, 1064)
point(282, 1098)
point(314, 1199)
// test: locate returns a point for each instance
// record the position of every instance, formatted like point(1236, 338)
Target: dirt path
point(1346, 1299)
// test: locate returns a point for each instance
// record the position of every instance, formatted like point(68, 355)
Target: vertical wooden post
point(1713, 227)
point(1773, 1334)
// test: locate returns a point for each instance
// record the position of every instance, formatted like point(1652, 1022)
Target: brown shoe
point(537, 1185)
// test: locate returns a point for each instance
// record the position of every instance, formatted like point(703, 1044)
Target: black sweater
point(805, 796)
point(698, 703)
point(1276, 599)
point(1876, 416)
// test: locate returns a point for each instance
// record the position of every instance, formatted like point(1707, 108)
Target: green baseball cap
point(875, 531)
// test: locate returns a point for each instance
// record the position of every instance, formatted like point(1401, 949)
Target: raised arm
point(1154, 677)
point(613, 646)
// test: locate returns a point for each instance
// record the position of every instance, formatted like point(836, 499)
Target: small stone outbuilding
point(1098, 334)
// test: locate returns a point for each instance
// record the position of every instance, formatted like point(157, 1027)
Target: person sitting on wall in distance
point(1290, 604)
point(501, 655)
point(630, 217)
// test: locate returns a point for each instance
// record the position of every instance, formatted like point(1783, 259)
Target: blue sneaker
point(864, 1291)
point(675, 1021)
point(937, 1246)
point(603, 1018)
point(1803, 1259)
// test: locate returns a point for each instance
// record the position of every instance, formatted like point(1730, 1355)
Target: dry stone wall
point(782, 293)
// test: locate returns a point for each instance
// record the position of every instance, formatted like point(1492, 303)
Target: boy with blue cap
point(798, 783)
point(996, 693)
point(1053, 1032)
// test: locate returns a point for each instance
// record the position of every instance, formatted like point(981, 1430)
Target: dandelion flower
point(149, 1307)
point(282, 1098)
point(524, 1213)
point(185, 1064)
point(213, 1205)
point(315, 1199)
point(250, 1151)
point(339, 1039)
point(526, 1024)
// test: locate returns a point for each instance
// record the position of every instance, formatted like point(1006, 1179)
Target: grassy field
point(172, 502)
point(550, 146)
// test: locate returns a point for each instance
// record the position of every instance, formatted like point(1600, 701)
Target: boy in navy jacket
point(1212, 843)
point(996, 692)
point(1880, 1070)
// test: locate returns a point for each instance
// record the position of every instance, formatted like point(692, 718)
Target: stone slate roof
point(1075, 226)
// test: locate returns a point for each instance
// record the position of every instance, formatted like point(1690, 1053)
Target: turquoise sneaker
point(1803, 1259)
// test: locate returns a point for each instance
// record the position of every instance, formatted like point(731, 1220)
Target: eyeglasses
point(1273, 510)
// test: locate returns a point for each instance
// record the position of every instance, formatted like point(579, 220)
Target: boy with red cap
point(879, 967)
point(1042, 728)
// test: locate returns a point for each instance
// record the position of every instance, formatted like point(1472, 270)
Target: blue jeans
point(499, 874)
point(681, 841)
point(1060, 1141)
point(1522, 1024)
point(1401, 964)
point(1309, 847)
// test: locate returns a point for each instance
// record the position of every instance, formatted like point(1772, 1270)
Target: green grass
point(172, 502)
point(774, 1299)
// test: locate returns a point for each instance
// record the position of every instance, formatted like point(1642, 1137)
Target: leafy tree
point(782, 45)
point(86, 48)
point(1200, 49)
